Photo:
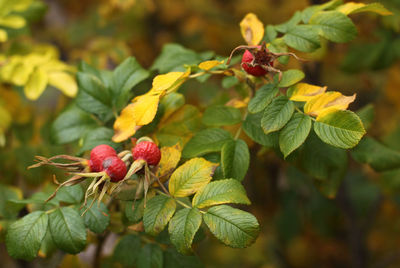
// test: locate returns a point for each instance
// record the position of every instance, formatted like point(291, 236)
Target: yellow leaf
point(3, 35)
point(21, 73)
point(163, 82)
point(238, 103)
point(64, 82)
point(12, 21)
point(352, 8)
point(170, 157)
point(252, 29)
point(191, 177)
point(305, 92)
point(36, 84)
point(329, 101)
point(207, 65)
point(139, 113)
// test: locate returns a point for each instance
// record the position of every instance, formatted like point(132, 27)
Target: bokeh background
point(360, 227)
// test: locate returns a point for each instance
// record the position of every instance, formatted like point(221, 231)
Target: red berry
point(262, 58)
point(147, 151)
point(98, 155)
point(115, 168)
point(253, 70)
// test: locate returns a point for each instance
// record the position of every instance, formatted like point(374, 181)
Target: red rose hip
point(115, 168)
point(98, 155)
point(148, 151)
point(253, 70)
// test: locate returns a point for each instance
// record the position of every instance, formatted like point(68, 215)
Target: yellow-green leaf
point(64, 82)
point(329, 101)
point(252, 29)
point(191, 177)
point(207, 65)
point(139, 113)
point(36, 84)
point(352, 8)
point(170, 157)
point(305, 92)
point(12, 21)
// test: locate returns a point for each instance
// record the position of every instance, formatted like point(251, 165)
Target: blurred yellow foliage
point(35, 70)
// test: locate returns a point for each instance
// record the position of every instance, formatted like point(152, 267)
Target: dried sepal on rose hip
point(104, 166)
point(259, 60)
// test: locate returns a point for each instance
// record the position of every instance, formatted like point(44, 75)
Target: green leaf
point(96, 218)
point(93, 96)
point(206, 141)
point(70, 194)
point(234, 227)
point(303, 38)
point(182, 228)
point(277, 114)
point(126, 252)
point(229, 81)
point(291, 77)
point(292, 22)
point(171, 102)
point(310, 11)
point(334, 26)
point(88, 69)
point(270, 33)
point(367, 115)
point(191, 177)
point(127, 75)
point(263, 98)
point(173, 57)
point(324, 162)
point(150, 256)
point(157, 213)
point(294, 133)
point(9, 193)
point(221, 192)
point(68, 230)
point(342, 129)
point(215, 158)
point(278, 46)
point(97, 136)
point(252, 128)
point(221, 115)
point(72, 124)
point(172, 259)
point(47, 247)
point(235, 159)
point(134, 210)
point(25, 235)
point(375, 154)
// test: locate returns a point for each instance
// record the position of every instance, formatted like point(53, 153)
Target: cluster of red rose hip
point(104, 158)
point(105, 166)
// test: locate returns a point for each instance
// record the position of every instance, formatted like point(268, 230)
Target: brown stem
point(99, 249)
